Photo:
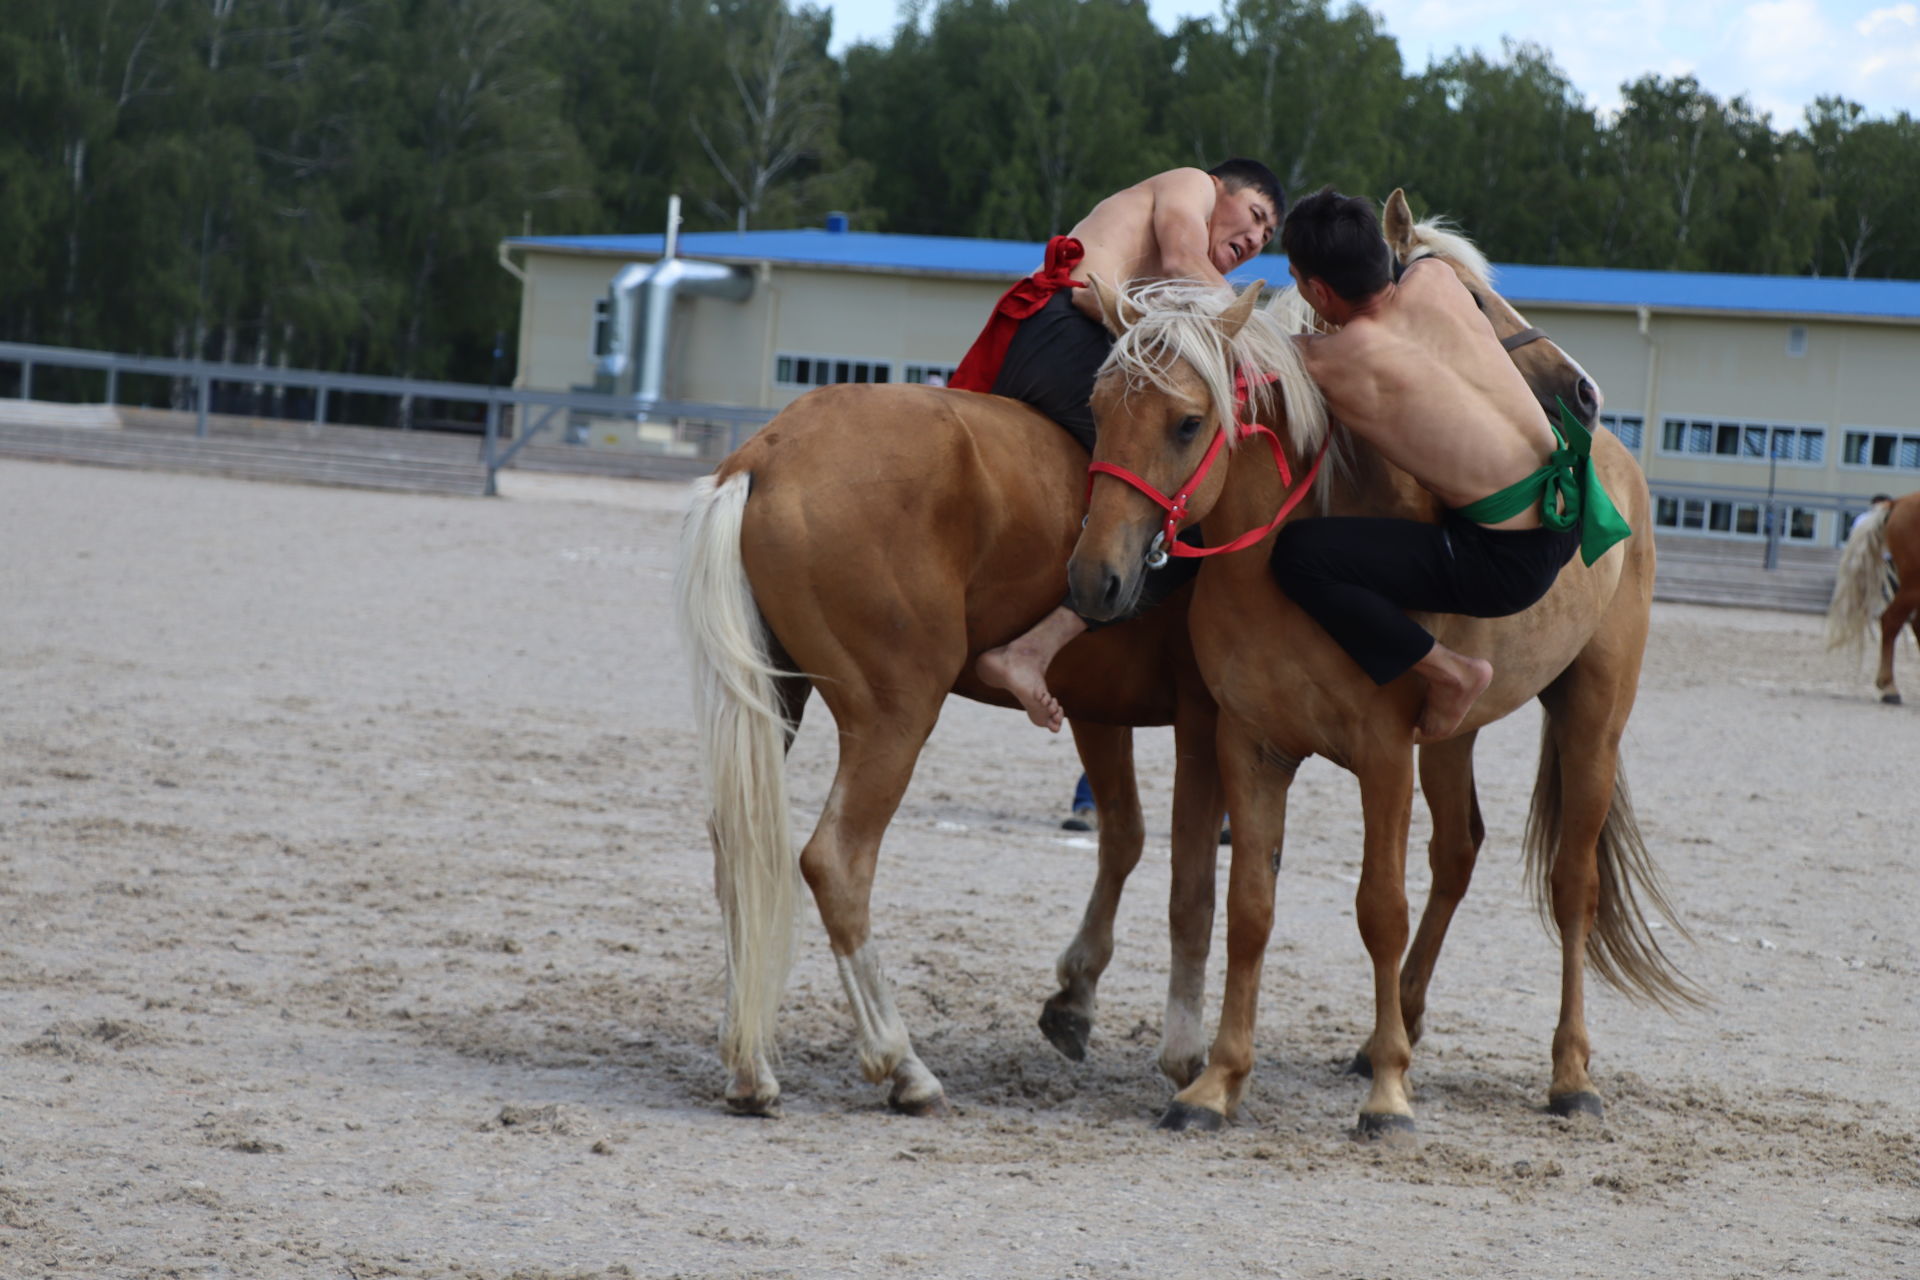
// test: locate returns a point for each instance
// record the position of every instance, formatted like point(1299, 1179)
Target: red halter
point(1176, 506)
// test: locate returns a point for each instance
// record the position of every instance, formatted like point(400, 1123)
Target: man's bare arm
point(1182, 203)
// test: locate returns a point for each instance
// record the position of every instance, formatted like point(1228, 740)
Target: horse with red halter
point(1879, 583)
point(1286, 691)
point(880, 562)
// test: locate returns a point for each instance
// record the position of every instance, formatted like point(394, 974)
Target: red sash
point(980, 368)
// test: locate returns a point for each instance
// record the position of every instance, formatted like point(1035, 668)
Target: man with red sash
point(1046, 340)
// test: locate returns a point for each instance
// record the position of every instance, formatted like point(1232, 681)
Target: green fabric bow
point(1568, 491)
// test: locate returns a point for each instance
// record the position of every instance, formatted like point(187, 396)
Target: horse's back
point(916, 519)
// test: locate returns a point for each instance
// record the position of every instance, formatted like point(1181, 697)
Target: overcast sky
point(1781, 54)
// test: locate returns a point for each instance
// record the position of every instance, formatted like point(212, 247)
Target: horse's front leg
point(1386, 798)
point(1198, 805)
point(1106, 752)
point(1257, 778)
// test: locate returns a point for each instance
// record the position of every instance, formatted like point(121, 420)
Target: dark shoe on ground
point(1081, 820)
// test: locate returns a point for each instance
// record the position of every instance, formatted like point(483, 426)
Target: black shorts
point(1354, 576)
point(1051, 364)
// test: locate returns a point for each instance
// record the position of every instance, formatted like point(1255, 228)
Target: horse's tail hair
point(743, 738)
point(1621, 946)
point(1856, 587)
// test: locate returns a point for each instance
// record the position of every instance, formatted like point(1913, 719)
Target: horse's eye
point(1189, 428)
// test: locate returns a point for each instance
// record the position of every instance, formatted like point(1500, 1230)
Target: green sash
point(1568, 491)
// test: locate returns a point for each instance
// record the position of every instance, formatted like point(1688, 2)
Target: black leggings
point(1355, 575)
point(1051, 364)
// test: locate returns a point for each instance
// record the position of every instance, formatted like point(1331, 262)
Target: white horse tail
point(743, 739)
point(1856, 590)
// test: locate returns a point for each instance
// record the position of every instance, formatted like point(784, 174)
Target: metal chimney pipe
point(673, 227)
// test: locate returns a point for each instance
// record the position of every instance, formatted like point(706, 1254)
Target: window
point(1630, 427)
point(1887, 449)
point(933, 375)
point(1753, 441)
point(602, 323)
point(1728, 519)
point(824, 371)
point(1797, 340)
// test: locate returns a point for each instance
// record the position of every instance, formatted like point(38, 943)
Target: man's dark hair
point(1337, 239)
point(1241, 172)
point(1881, 497)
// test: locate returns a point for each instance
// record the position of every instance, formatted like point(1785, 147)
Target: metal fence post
point(113, 385)
point(202, 386)
point(26, 379)
point(492, 440)
point(320, 406)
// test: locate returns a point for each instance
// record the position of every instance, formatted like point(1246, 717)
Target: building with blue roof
point(1728, 387)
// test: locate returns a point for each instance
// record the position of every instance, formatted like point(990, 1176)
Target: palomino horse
point(878, 539)
point(1159, 401)
point(1888, 538)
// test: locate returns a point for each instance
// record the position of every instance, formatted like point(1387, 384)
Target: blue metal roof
point(1006, 259)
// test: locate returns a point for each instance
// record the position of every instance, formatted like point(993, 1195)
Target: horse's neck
point(1355, 481)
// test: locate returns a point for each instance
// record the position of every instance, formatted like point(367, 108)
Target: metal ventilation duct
point(640, 313)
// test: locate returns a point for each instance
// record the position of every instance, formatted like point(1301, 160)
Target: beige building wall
point(1774, 371)
point(726, 352)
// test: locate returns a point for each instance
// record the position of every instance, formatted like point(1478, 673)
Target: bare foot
point(1454, 683)
point(1021, 669)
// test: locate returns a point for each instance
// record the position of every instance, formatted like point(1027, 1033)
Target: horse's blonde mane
point(1176, 323)
point(1437, 237)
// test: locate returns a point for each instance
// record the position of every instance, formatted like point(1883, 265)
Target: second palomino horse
point(1286, 692)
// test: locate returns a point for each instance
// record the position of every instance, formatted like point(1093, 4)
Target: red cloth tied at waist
point(981, 367)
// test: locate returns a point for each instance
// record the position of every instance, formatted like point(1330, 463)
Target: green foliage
point(326, 182)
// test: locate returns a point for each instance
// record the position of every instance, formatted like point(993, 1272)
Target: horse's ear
point(1235, 317)
point(1115, 311)
point(1398, 224)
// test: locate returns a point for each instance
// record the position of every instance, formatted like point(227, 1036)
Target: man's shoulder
point(1183, 179)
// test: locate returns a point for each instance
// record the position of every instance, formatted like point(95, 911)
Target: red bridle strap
point(1176, 506)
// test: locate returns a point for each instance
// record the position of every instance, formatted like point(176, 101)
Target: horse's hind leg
point(1904, 608)
point(1580, 755)
point(1106, 751)
point(1446, 779)
point(878, 748)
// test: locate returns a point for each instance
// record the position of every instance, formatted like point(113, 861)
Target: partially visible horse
point(1886, 543)
point(1286, 692)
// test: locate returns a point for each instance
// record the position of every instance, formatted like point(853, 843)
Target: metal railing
point(719, 428)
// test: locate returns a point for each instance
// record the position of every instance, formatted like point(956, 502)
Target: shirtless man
point(1046, 340)
point(1415, 370)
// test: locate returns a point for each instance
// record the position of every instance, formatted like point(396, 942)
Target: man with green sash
point(1414, 369)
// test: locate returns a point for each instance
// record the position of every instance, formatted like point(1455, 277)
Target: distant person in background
point(1879, 502)
point(1084, 817)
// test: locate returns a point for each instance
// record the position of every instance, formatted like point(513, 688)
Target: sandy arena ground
point(357, 923)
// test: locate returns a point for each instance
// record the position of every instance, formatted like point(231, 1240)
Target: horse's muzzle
point(1101, 591)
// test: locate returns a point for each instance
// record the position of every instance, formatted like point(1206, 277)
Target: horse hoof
point(1375, 1126)
point(1584, 1103)
point(1891, 699)
point(1361, 1066)
point(1066, 1031)
point(1182, 1116)
point(933, 1107)
point(756, 1105)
